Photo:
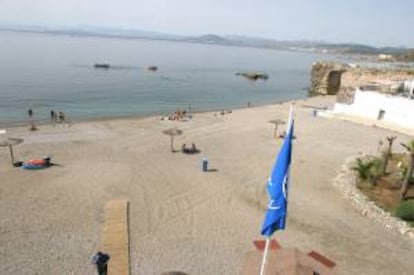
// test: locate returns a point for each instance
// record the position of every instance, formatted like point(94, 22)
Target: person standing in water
point(53, 117)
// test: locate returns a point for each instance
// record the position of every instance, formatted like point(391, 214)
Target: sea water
point(45, 72)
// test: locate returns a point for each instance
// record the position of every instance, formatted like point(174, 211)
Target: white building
point(381, 109)
point(409, 88)
point(385, 57)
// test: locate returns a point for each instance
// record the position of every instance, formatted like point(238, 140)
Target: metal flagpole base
point(266, 250)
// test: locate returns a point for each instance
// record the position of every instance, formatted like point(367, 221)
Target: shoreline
point(42, 122)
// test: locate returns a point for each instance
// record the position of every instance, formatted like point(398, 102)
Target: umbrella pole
point(275, 131)
point(11, 153)
point(266, 250)
point(172, 141)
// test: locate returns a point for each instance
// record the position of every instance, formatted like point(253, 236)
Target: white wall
point(398, 110)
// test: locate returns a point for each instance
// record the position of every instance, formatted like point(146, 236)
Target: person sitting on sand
point(186, 150)
point(174, 116)
point(191, 150)
point(32, 127)
point(179, 114)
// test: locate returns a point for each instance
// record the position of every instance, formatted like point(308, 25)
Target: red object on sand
point(260, 244)
point(322, 259)
point(37, 162)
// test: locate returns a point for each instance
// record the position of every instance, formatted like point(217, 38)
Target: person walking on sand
point(101, 261)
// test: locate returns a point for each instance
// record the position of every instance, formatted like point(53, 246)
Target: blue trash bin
point(204, 164)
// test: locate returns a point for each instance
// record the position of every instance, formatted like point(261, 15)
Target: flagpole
point(283, 164)
point(266, 250)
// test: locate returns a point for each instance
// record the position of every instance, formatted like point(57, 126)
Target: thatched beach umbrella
point(172, 132)
point(10, 142)
point(276, 122)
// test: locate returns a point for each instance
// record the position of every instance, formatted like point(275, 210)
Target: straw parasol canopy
point(276, 122)
point(172, 132)
point(10, 142)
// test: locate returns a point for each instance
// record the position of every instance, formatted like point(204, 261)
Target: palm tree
point(387, 154)
point(406, 181)
point(364, 169)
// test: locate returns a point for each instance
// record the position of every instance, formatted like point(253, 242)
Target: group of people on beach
point(192, 150)
point(55, 117)
point(177, 115)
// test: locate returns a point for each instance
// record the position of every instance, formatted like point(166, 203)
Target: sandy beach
point(181, 218)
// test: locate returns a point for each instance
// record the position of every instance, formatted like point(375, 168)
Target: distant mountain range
point(403, 54)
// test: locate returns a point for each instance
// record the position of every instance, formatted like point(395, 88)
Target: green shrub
point(377, 167)
point(363, 168)
point(405, 210)
point(368, 169)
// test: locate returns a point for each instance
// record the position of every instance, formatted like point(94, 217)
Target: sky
point(373, 22)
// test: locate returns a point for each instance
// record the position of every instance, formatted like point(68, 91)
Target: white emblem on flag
point(271, 206)
point(284, 187)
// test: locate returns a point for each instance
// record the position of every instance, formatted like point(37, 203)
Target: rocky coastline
point(341, 79)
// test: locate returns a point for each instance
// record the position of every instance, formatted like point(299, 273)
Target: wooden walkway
point(115, 237)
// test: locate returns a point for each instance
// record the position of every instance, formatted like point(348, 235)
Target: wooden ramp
point(115, 237)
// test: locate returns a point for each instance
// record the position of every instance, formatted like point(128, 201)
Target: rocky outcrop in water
point(254, 75)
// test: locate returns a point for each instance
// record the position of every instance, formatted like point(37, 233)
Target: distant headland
point(393, 53)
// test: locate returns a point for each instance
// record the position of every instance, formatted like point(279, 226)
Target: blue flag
point(278, 186)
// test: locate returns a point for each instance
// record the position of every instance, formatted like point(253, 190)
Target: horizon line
point(64, 29)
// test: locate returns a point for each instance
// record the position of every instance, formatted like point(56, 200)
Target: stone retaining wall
point(346, 181)
point(332, 78)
